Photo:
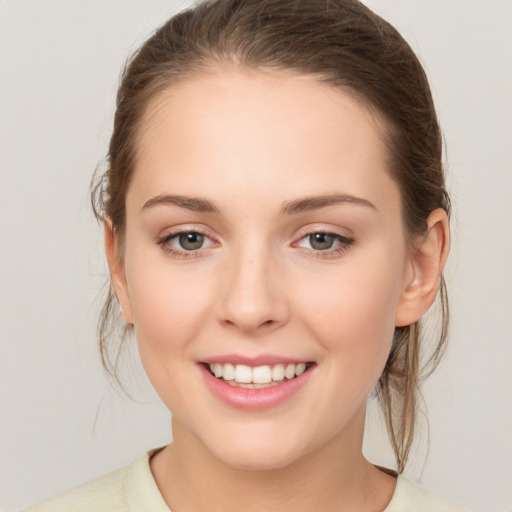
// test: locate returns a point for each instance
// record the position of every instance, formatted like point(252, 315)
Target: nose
point(253, 297)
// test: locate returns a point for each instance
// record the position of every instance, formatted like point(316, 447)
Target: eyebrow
point(315, 202)
point(195, 204)
point(198, 204)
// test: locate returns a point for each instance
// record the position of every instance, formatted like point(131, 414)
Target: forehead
point(269, 132)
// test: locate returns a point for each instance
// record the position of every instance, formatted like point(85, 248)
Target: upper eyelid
point(178, 230)
point(174, 234)
point(342, 238)
point(326, 232)
point(338, 232)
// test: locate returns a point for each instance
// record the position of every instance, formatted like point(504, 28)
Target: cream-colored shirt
point(133, 489)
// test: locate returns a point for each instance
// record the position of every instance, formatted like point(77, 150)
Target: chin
point(257, 460)
point(257, 452)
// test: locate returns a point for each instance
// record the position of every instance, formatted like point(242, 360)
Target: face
point(264, 244)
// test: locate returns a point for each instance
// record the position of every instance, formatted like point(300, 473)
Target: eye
point(185, 243)
point(329, 243)
point(190, 241)
point(321, 241)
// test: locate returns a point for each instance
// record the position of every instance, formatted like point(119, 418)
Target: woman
point(276, 225)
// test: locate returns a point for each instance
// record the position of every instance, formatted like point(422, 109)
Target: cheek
point(162, 305)
point(351, 313)
point(168, 305)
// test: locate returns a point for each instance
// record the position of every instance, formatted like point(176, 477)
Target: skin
point(252, 143)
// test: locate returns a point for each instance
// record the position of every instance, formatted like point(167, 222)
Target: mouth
point(257, 377)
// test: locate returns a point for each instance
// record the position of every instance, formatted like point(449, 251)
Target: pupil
point(191, 241)
point(321, 241)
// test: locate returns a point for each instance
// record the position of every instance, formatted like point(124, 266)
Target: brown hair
point(341, 43)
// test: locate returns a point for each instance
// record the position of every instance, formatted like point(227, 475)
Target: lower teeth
point(252, 385)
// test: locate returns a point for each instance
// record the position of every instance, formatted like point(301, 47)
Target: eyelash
point(164, 243)
point(343, 241)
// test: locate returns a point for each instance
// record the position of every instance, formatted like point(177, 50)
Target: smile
point(256, 377)
point(254, 388)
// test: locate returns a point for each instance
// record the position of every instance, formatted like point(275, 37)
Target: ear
point(427, 260)
point(117, 271)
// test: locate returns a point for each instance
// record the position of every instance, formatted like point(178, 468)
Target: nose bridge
point(253, 298)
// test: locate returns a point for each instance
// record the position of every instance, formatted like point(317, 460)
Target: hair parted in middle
point(341, 43)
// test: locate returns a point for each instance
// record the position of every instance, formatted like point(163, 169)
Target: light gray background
point(61, 423)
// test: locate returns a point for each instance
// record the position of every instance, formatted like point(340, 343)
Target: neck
point(334, 477)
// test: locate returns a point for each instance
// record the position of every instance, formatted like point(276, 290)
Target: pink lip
point(265, 359)
point(253, 399)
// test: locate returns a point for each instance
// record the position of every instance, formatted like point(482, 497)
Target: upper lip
point(261, 360)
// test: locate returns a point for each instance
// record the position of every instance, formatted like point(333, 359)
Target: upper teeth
point(257, 374)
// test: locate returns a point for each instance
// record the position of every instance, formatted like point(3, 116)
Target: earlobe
point(117, 271)
point(427, 260)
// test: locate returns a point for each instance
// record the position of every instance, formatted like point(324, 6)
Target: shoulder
point(409, 497)
point(106, 491)
point(129, 489)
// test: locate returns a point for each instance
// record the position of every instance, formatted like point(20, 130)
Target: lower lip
point(254, 399)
